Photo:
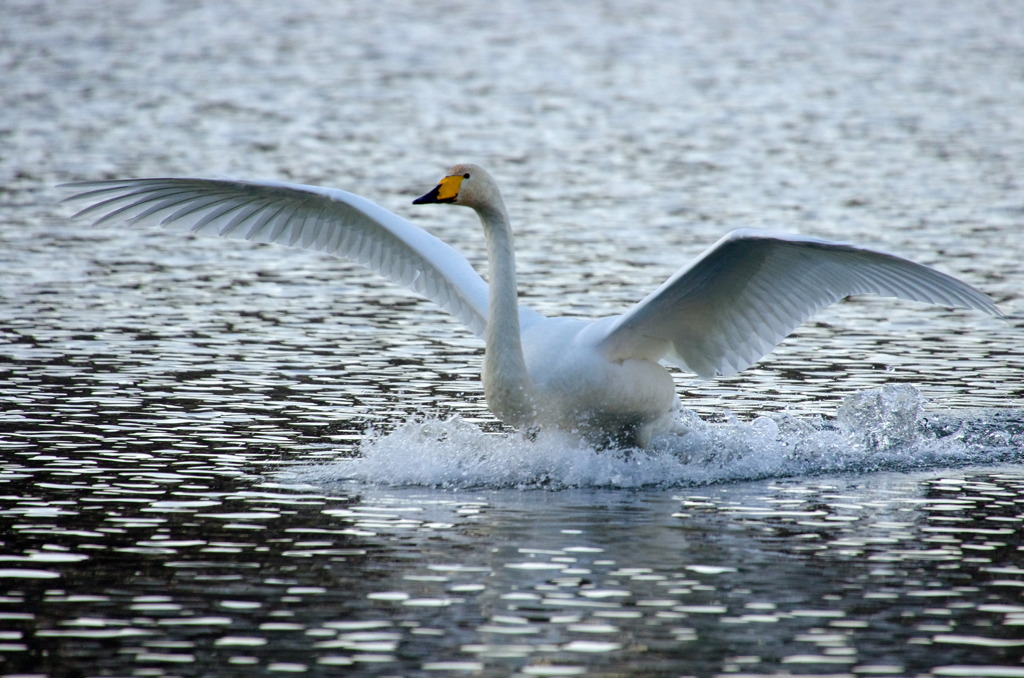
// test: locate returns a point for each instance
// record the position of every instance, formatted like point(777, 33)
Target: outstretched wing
point(750, 290)
point(308, 217)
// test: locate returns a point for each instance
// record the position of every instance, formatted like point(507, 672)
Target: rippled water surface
point(225, 459)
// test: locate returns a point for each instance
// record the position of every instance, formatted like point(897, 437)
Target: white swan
point(602, 378)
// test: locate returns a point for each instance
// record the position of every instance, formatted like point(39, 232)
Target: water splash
point(884, 429)
point(884, 419)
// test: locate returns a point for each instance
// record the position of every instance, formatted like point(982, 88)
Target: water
point(222, 459)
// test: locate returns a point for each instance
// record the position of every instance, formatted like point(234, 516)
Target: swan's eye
point(466, 175)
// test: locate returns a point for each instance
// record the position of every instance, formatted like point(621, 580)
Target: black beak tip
point(427, 199)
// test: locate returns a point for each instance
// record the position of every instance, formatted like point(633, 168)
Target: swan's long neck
point(506, 384)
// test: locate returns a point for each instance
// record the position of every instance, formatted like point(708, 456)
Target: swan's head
point(466, 184)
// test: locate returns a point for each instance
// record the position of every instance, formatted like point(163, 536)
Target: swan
point(602, 379)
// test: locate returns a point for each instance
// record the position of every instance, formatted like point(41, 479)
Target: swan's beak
point(446, 191)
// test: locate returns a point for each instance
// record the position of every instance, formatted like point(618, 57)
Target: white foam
point(885, 429)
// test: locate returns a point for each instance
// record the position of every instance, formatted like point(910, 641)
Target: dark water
point(222, 459)
point(194, 571)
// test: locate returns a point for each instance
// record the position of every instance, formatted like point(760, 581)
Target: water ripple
point(227, 460)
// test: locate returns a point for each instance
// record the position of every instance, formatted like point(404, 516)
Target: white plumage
point(716, 316)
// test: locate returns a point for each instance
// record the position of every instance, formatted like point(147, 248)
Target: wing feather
point(322, 219)
point(750, 290)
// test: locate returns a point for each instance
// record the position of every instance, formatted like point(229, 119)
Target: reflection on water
point(227, 460)
point(188, 571)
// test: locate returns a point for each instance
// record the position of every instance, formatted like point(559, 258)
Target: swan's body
point(602, 379)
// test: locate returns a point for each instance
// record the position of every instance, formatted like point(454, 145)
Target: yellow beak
point(446, 191)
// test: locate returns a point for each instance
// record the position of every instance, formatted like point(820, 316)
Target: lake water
point(226, 459)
